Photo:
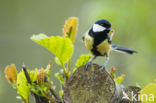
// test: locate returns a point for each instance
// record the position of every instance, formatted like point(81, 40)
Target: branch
point(59, 100)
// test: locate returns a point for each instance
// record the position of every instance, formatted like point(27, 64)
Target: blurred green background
point(134, 22)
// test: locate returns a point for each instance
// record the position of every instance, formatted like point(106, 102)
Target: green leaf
point(18, 97)
point(60, 77)
point(33, 75)
point(39, 37)
point(61, 47)
point(120, 79)
point(22, 86)
point(41, 89)
point(148, 93)
point(83, 60)
point(36, 89)
point(74, 70)
point(48, 70)
point(61, 93)
point(57, 61)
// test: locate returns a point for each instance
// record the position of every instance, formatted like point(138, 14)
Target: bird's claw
point(102, 67)
point(87, 64)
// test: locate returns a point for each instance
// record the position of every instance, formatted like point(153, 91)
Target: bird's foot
point(102, 67)
point(87, 64)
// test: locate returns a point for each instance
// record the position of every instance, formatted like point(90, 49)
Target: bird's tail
point(122, 49)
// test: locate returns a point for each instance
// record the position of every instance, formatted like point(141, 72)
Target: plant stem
point(68, 66)
point(59, 100)
point(49, 97)
point(65, 72)
point(26, 74)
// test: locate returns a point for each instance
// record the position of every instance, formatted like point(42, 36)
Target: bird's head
point(101, 26)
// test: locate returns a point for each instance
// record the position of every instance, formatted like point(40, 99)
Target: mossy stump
point(93, 85)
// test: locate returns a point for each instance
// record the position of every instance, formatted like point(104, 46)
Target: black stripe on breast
point(99, 37)
point(95, 52)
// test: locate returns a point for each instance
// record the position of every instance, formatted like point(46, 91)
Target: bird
point(98, 42)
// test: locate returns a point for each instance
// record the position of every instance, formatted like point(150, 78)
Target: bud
point(11, 73)
point(113, 71)
point(70, 28)
point(41, 76)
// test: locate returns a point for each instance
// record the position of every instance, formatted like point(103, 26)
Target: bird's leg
point(106, 61)
point(90, 61)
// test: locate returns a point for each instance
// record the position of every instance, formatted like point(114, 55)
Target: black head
point(102, 26)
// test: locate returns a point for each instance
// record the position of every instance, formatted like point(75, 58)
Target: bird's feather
point(122, 49)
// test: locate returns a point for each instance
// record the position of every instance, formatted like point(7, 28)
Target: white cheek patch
point(98, 28)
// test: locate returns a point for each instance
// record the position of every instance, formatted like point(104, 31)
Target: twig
point(26, 74)
point(50, 98)
point(59, 100)
point(37, 98)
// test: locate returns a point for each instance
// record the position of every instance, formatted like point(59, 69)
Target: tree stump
point(94, 85)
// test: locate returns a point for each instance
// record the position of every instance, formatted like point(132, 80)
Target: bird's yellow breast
point(104, 47)
point(88, 40)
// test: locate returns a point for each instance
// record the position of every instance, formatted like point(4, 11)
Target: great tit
point(98, 42)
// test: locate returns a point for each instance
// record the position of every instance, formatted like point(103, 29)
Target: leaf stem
point(65, 72)
point(68, 66)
